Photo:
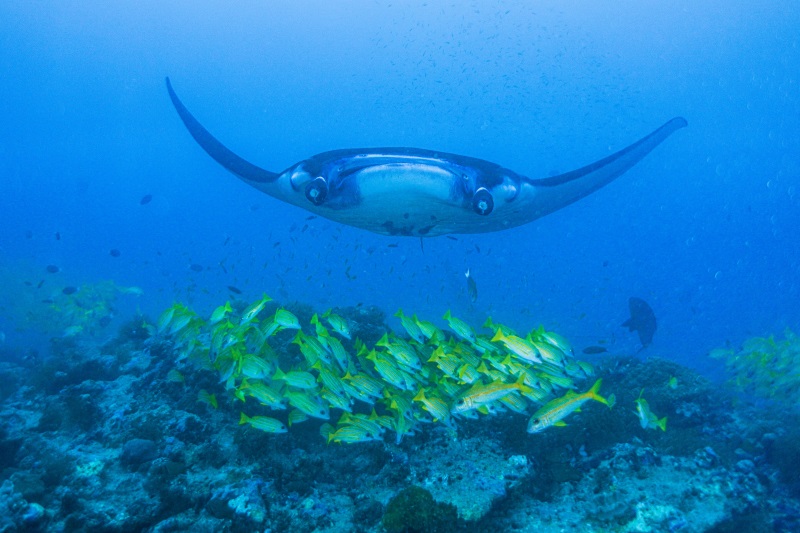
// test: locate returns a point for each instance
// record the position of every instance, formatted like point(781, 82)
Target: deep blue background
point(705, 229)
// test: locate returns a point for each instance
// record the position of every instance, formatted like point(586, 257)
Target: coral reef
point(414, 510)
point(98, 438)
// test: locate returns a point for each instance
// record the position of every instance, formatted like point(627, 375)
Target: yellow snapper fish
point(556, 340)
point(411, 327)
point(554, 411)
point(299, 379)
point(173, 376)
point(264, 423)
point(481, 395)
point(135, 291)
point(209, 399)
point(254, 309)
point(647, 418)
point(351, 434)
point(435, 406)
point(263, 393)
point(220, 313)
point(286, 319)
point(519, 347)
point(428, 329)
point(310, 405)
point(461, 328)
point(337, 323)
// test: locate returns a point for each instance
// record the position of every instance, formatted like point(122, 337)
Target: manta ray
point(417, 192)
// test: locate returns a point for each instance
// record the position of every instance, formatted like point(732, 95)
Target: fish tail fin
point(662, 424)
point(383, 341)
point(594, 393)
point(521, 386)
point(243, 419)
point(447, 315)
point(498, 336)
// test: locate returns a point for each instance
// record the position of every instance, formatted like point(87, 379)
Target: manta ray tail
point(564, 189)
point(244, 169)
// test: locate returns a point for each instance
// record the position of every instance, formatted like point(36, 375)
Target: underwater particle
point(234, 290)
point(194, 267)
point(594, 350)
point(146, 199)
point(414, 509)
point(53, 269)
point(69, 290)
point(114, 252)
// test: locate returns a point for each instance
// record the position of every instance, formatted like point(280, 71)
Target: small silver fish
point(472, 287)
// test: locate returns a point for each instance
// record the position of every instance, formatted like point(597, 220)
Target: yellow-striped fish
point(482, 395)
point(461, 328)
point(554, 411)
point(338, 323)
point(296, 378)
point(264, 423)
point(518, 346)
point(286, 319)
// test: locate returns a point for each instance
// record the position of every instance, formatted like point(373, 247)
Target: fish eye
point(482, 201)
point(536, 421)
point(317, 190)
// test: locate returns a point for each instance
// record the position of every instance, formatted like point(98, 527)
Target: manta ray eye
point(482, 201)
point(317, 191)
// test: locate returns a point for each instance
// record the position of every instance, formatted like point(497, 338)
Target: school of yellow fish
point(401, 382)
point(765, 367)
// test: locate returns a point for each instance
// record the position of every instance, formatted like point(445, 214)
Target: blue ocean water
point(704, 229)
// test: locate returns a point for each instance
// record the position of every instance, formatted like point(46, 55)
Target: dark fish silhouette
point(642, 320)
point(146, 199)
point(594, 350)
